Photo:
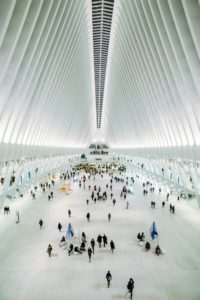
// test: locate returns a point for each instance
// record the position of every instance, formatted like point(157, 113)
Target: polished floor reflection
point(26, 271)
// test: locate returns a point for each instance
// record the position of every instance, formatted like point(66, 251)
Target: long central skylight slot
point(102, 11)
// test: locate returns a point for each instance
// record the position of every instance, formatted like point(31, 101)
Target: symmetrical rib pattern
point(152, 95)
point(129, 67)
point(46, 81)
point(102, 11)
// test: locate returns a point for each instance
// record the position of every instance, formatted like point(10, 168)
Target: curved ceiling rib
point(47, 77)
point(152, 87)
point(127, 71)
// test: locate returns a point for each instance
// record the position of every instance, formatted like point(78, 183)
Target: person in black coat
point(109, 278)
point(88, 216)
point(93, 245)
point(82, 246)
point(112, 246)
point(89, 253)
point(130, 287)
point(105, 241)
point(40, 223)
point(84, 237)
point(71, 247)
point(147, 246)
point(99, 240)
point(59, 226)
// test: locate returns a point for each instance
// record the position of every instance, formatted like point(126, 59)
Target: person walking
point(71, 248)
point(59, 226)
point(92, 245)
point(69, 213)
point(83, 236)
point(82, 247)
point(109, 217)
point(114, 201)
point(88, 216)
point(40, 223)
point(112, 246)
point(49, 250)
point(89, 253)
point(109, 278)
point(99, 240)
point(105, 241)
point(130, 287)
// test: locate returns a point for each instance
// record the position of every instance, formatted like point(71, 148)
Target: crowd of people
point(97, 193)
point(88, 245)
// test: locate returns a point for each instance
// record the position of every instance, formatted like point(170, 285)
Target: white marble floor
point(27, 273)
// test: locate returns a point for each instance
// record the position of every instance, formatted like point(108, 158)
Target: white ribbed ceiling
point(46, 79)
point(152, 95)
point(49, 79)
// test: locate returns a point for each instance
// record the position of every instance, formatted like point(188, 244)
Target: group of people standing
point(91, 249)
